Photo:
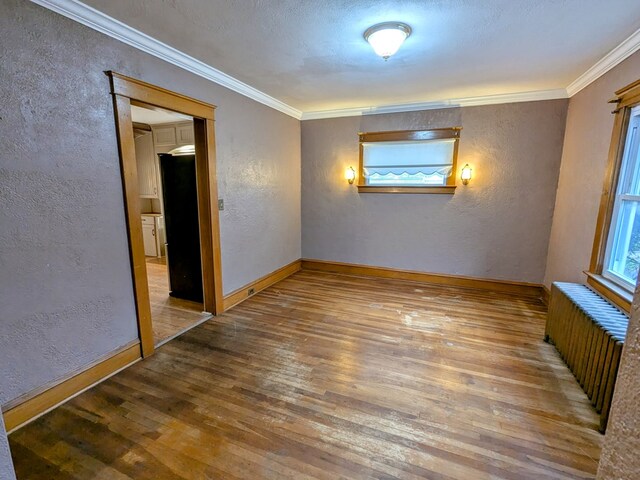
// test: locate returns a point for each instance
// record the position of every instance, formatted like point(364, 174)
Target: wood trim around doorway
point(126, 92)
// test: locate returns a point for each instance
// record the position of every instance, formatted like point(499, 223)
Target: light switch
point(220, 204)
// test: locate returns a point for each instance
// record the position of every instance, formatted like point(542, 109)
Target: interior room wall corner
point(619, 459)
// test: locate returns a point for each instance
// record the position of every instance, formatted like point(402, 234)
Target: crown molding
point(111, 27)
point(453, 103)
point(102, 23)
point(627, 48)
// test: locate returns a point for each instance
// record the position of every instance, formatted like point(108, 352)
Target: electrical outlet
point(221, 204)
point(251, 291)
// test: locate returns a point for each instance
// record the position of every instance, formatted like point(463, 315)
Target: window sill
point(444, 189)
point(609, 290)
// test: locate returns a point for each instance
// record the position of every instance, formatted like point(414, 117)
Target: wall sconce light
point(350, 175)
point(466, 174)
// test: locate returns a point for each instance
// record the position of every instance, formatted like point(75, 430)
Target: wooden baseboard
point(30, 406)
point(242, 293)
point(519, 288)
point(545, 295)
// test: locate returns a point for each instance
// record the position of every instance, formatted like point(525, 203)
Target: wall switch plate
point(221, 204)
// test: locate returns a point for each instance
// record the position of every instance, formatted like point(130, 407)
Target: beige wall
point(66, 296)
point(496, 227)
point(584, 159)
point(619, 459)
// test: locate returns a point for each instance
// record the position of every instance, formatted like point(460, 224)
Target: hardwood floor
point(324, 376)
point(169, 316)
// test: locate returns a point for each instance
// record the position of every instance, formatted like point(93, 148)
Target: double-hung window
point(622, 257)
point(615, 260)
point(410, 161)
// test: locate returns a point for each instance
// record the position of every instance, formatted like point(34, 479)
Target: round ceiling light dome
point(386, 38)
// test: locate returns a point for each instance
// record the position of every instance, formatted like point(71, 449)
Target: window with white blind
point(415, 161)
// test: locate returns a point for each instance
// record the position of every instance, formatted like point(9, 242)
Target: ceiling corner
point(627, 48)
point(113, 28)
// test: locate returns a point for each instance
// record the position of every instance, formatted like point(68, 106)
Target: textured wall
point(65, 289)
point(619, 459)
point(584, 159)
point(495, 227)
point(6, 465)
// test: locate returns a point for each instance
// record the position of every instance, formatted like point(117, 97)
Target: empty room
point(319, 239)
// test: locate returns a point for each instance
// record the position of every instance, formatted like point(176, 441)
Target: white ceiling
point(156, 116)
point(311, 54)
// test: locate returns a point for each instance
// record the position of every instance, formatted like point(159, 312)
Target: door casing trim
point(128, 91)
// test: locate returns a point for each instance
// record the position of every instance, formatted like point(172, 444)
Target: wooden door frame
point(128, 91)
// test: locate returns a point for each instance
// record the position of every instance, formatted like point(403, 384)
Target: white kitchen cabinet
point(184, 134)
point(149, 237)
point(153, 234)
point(165, 135)
point(147, 166)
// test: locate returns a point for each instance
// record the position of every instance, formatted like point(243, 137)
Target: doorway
point(167, 188)
point(167, 152)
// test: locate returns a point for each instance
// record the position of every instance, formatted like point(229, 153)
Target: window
point(615, 260)
point(622, 257)
point(416, 161)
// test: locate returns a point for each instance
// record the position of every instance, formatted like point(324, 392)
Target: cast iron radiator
point(588, 332)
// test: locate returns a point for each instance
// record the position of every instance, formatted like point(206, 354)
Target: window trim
point(609, 241)
point(408, 136)
point(626, 98)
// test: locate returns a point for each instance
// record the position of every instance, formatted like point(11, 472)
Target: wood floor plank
point(169, 315)
point(327, 376)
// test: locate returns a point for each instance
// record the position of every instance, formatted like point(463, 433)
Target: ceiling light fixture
point(386, 38)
